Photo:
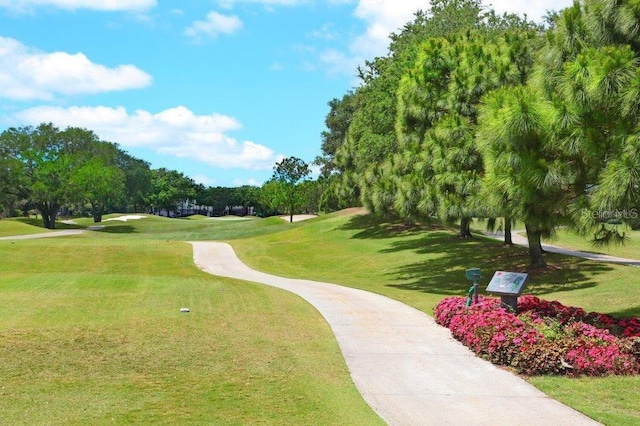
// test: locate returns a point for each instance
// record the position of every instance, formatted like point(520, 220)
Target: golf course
point(91, 328)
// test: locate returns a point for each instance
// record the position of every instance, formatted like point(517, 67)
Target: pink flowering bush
point(545, 337)
point(622, 327)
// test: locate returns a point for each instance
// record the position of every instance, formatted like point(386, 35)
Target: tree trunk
point(535, 247)
point(97, 210)
point(465, 231)
point(508, 241)
point(49, 211)
point(97, 215)
point(291, 206)
point(50, 220)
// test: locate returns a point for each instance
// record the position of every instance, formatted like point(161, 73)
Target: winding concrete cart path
point(408, 369)
point(521, 240)
point(44, 235)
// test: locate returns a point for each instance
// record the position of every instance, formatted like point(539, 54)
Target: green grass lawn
point(568, 239)
point(91, 333)
point(422, 265)
point(18, 227)
point(98, 316)
point(630, 249)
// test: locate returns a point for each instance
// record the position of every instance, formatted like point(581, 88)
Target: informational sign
point(507, 283)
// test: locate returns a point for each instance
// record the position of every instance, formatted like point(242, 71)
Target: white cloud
point(383, 17)
point(215, 24)
point(327, 32)
point(28, 74)
point(315, 170)
point(228, 4)
point(243, 182)
point(176, 132)
point(204, 180)
point(101, 5)
point(534, 9)
point(337, 62)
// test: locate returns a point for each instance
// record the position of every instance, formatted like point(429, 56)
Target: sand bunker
point(126, 218)
point(299, 217)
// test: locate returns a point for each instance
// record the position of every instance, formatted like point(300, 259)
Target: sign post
point(473, 275)
point(508, 285)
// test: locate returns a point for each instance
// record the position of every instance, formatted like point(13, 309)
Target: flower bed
point(544, 337)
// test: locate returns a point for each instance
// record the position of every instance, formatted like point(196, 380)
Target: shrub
point(545, 337)
point(622, 327)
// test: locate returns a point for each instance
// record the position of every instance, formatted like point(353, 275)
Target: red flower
point(586, 343)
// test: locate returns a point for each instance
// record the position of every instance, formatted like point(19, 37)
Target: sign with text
point(507, 283)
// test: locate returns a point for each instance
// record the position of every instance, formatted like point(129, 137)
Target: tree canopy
point(284, 187)
point(476, 114)
point(47, 168)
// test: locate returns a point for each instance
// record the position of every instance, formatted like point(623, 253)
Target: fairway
point(91, 333)
point(92, 330)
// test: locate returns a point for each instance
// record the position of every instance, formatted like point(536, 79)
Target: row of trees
point(475, 114)
point(45, 169)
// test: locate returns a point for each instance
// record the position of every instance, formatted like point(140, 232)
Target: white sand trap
point(126, 218)
point(299, 217)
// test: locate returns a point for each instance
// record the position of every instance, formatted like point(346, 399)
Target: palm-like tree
point(438, 112)
point(590, 70)
point(522, 164)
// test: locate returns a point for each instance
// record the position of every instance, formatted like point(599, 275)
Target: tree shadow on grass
point(118, 229)
point(630, 312)
point(59, 224)
point(446, 258)
point(372, 227)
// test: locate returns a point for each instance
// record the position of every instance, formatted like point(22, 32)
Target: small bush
point(545, 337)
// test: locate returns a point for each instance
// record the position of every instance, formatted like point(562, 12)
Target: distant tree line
point(474, 114)
point(45, 169)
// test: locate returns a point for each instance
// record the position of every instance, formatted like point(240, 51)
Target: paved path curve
point(44, 235)
point(407, 368)
point(523, 241)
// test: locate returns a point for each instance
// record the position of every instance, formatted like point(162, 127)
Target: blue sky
point(219, 90)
